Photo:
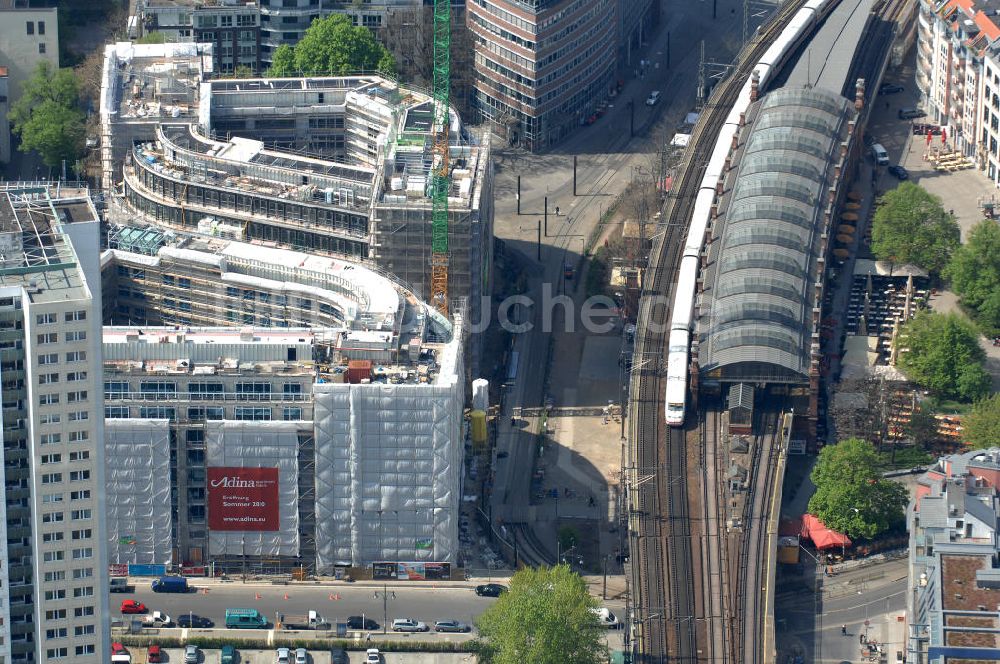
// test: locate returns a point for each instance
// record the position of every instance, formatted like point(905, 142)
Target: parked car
point(282, 656)
point(490, 590)
point(157, 619)
point(373, 656)
point(301, 656)
point(653, 98)
point(898, 172)
point(361, 622)
point(119, 584)
point(170, 584)
point(118, 649)
point(910, 113)
point(606, 618)
point(133, 606)
point(339, 656)
point(408, 625)
point(120, 654)
point(154, 654)
point(890, 88)
point(922, 129)
point(191, 654)
point(193, 620)
point(229, 655)
point(450, 626)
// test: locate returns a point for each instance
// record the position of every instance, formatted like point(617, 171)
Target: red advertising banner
point(243, 499)
point(118, 569)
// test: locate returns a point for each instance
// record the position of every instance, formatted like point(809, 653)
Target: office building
point(542, 69)
point(53, 577)
point(953, 603)
point(231, 26)
point(332, 380)
point(28, 36)
point(337, 166)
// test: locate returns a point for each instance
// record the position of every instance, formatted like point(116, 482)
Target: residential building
point(54, 575)
point(231, 26)
point(4, 116)
point(28, 36)
point(337, 166)
point(542, 68)
point(334, 378)
point(953, 603)
point(953, 40)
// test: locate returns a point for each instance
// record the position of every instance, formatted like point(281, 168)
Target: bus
point(245, 619)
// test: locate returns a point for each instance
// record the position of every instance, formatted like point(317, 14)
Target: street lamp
point(385, 604)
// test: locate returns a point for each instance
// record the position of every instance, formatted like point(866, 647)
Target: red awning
point(821, 536)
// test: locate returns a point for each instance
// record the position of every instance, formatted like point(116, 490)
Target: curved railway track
point(659, 526)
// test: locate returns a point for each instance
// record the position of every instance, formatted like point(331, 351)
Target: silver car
point(191, 654)
point(408, 625)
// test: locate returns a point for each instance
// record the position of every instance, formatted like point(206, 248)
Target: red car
point(132, 606)
point(153, 654)
point(118, 649)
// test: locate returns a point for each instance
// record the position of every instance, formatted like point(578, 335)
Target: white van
point(879, 154)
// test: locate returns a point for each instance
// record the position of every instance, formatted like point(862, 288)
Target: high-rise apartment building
point(53, 562)
point(543, 67)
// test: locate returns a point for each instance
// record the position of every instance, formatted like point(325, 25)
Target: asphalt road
point(334, 603)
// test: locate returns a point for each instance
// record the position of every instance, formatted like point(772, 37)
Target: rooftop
point(961, 591)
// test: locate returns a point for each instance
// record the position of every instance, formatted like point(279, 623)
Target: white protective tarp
point(388, 472)
point(137, 473)
point(258, 444)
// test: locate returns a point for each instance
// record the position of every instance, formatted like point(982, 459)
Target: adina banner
point(243, 499)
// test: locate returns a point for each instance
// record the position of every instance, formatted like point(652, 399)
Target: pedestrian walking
point(843, 629)
point(368, 637)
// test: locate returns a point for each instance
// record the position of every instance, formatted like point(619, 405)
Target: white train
point(682, 314)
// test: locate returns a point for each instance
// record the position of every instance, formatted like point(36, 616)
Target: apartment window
point(52, 517)
point(49, 358)
point(51, 478)
point(41, 47)
point(289, 414)
point(226, 21)
point(46, 379)
point(79, 476)
point(183, 282)
point(58, 575)
point(114, 389)
point(255, 391)
point(48, 538)
point(79, 415)
point(31, 27)
point(51, 458)
point(83, 630)
point(76, 335)
point(156, 413)
point(82, 455)
point(41, 27)
point(50, 418)
point(48, 399)
point(82, 611)
point(116, 412)
point(304, 303)
point(85, 533)
point(53, 556)
point(83, 494)
point(76, 397)
point(50, 498)
point(76, 356)
point(86, 591)
point(252, 414)
point(55, 614)
point(52, 595)
point(48, 338)
point(75, 376)
point(51, 439)
point(46, 319)
point(75, 316)
point(56, 653)
point(83, 554)
point(87, 649)
point(215, 413)
point(81, 515)
point(158, 389)
point(78, 436)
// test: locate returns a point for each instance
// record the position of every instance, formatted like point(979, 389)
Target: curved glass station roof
point(758, 285)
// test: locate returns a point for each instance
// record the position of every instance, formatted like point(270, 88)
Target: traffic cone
point(331, 597)
point(256, 595)
point(286, 595)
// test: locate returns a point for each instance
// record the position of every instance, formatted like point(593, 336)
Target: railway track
point(663, 581)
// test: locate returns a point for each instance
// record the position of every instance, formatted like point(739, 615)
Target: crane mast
point(440, 180)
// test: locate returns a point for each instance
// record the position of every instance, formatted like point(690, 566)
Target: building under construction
point(337, 166)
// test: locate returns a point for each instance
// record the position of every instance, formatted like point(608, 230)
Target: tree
point(568, 537)
point(941, 353)
point(922, 428)
point(911, 226)
point(974, 271)
point(47, 117)
point(545, 618)
point(981, 427)
point(851, 495)
point(332, 46)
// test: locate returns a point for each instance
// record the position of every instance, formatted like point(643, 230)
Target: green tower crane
point(440, 180)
